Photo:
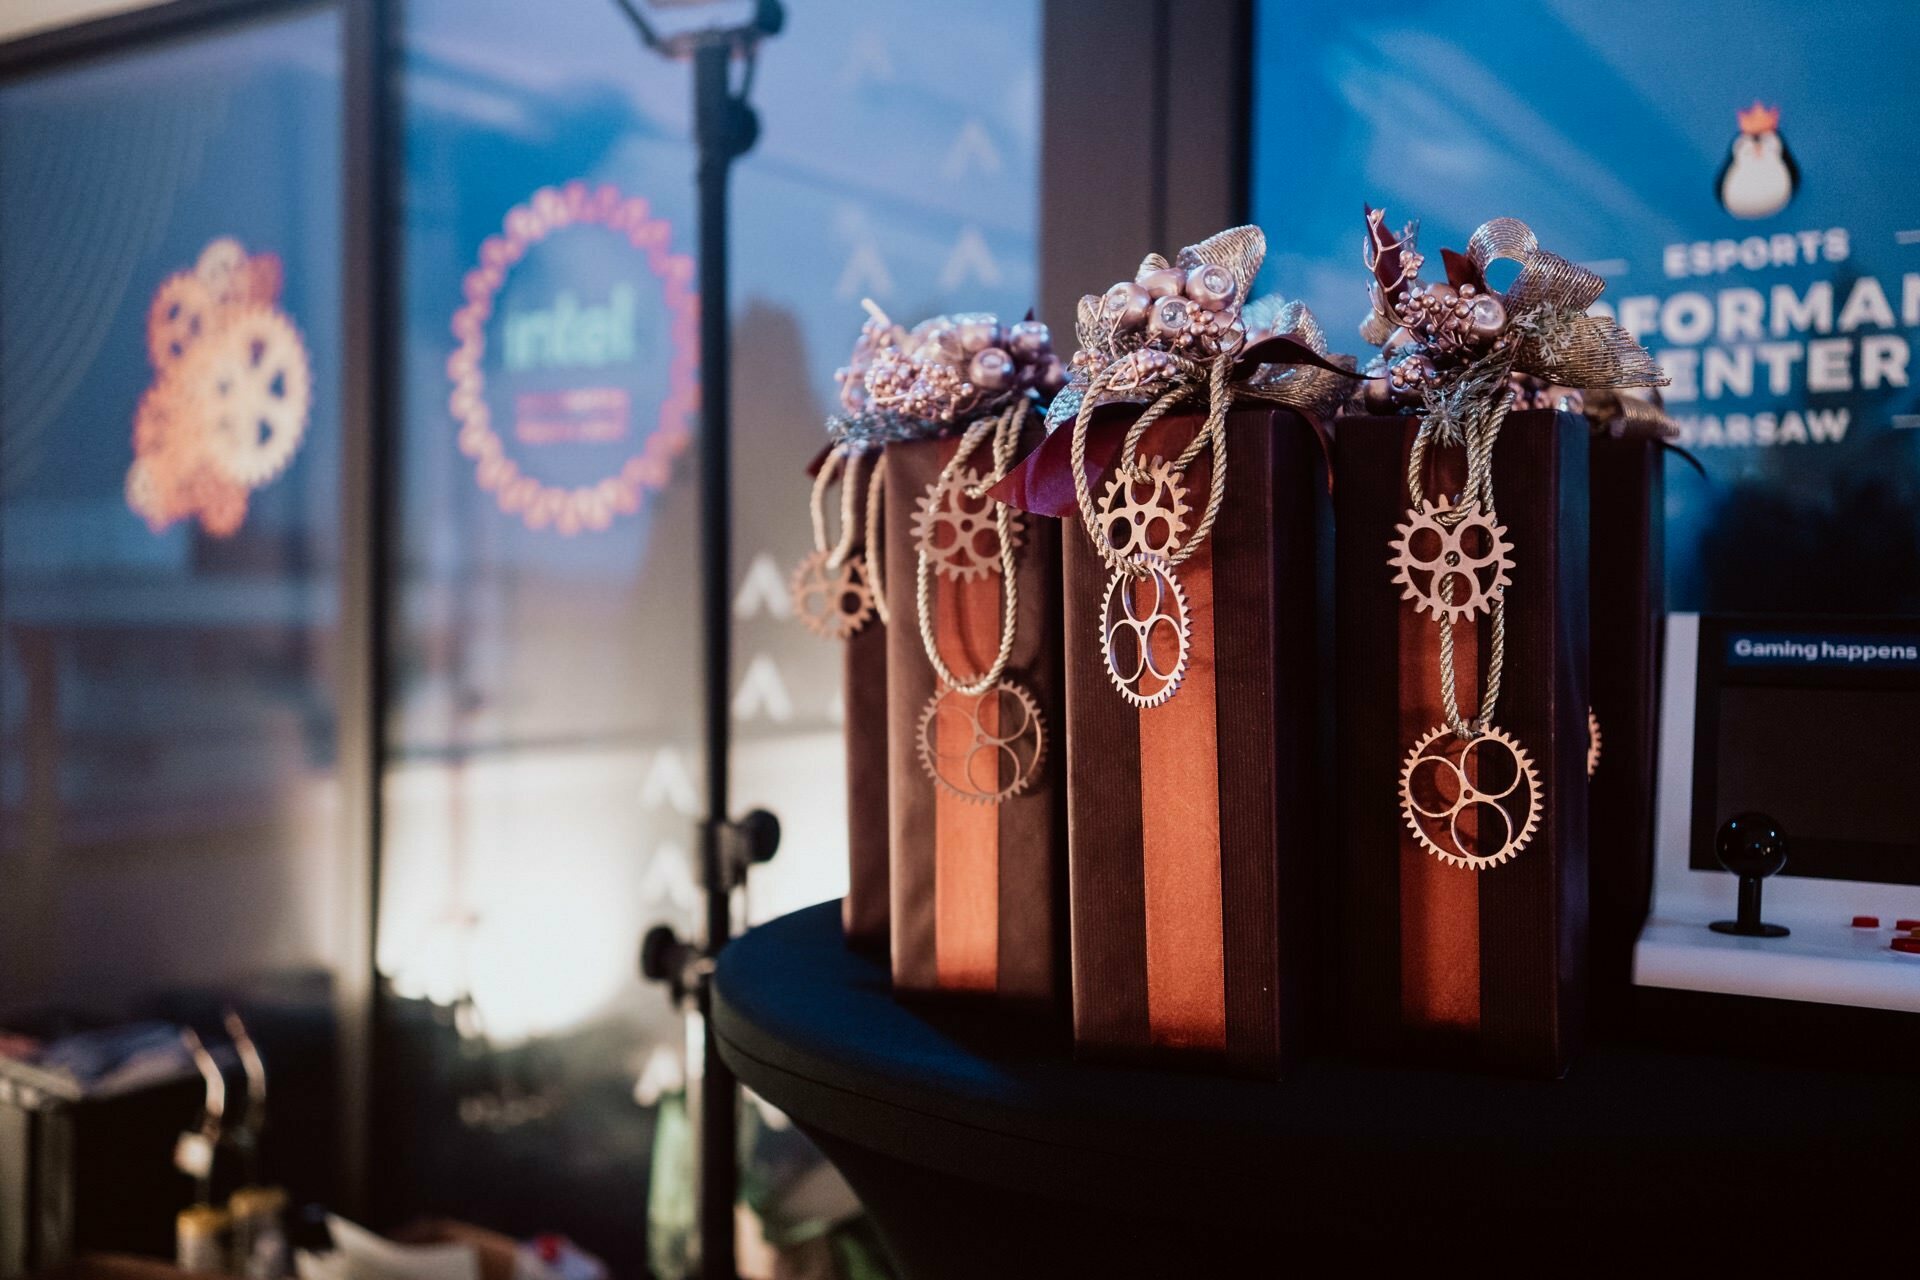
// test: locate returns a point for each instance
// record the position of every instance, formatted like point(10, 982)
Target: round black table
point(986, 1150)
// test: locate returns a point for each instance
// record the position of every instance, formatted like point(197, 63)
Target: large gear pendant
point(959, 534)
point(994, 742)
point(1144, 508)
point(1144, 630)
point(832, 603)
point(1451, 569)
point(253, 383)
point(1471, 803)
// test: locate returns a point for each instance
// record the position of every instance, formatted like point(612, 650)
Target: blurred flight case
point(81, 1174)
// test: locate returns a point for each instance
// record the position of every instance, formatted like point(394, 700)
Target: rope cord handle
point(817, 500)
point(1481, 435)
point(848, 458)
point(1006, 437)
point(1212, 433)
point(876, 552)
point(844, 461)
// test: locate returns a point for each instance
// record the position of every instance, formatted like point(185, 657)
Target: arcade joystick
point(1752, 846)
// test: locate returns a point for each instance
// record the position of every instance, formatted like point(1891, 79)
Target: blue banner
point(1751, 212)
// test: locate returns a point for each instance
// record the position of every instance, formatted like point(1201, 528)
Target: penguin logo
point(1760, 177)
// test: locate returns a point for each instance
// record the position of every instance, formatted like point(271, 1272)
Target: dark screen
point(1834, 766)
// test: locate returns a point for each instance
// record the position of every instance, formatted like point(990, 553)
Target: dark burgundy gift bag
point(1484, 966)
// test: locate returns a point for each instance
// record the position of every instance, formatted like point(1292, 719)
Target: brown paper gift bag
point(976, 811)
point(1487, 966)
point(864, 911)
point(838, 593)
point(1193, 824)
point(1629, 617)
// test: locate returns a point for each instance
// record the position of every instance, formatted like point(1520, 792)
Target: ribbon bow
point(934, 380)
point(1177, 332)
point(1449, 348)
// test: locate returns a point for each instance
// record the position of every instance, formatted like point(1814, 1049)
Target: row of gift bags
point(1230, 874)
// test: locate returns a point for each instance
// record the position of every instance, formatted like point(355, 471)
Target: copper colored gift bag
point(1629, 615)
point(1483, 967)
point(977, 861)
point(1193, 824)
point(838, 595)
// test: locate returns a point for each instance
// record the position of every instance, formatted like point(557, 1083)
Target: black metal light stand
point(725, 128)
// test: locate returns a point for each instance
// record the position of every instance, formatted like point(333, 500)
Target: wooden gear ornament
point(1450, 352)
point(1447, 779)
point(1179, 334)
point(1451, 562)
point(959, 528)
point(993, 761)
point(1463, 745)
point(832, 600)
point(1145, 623)
point(1001, 733)
point(835, 590)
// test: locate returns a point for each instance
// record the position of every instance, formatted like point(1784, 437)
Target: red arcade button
point(1904, 923)
point(1866, 922)
point(1909, 945)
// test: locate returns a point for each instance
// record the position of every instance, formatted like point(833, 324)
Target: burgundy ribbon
point(1042, 482)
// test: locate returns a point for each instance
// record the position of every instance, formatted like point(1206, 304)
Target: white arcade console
point(1816, 723)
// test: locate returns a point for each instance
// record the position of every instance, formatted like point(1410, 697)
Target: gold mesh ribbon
point(1114, 365)
point(1309, 390)
point(1554, 339)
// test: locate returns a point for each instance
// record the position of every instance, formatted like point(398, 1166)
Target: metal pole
point(715, 126)
point(372, 339)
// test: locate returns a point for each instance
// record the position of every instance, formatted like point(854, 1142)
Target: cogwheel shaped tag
point(833, 603)
point(958, 533)
point(252, 381)
point(1474, 803)
point(1451, 562)
point(184, 310)
point(1144, 509)
point(1593, 742)
point(984, 748)
point(1145, 630)
point(222, 268)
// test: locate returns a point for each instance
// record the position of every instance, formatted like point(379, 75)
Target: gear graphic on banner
point(256, 390)
point(182, 310)
point(231, 395)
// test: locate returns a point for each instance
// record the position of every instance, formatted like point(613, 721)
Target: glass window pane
point(170, 359)
point(169, 428)
point(544, 727)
